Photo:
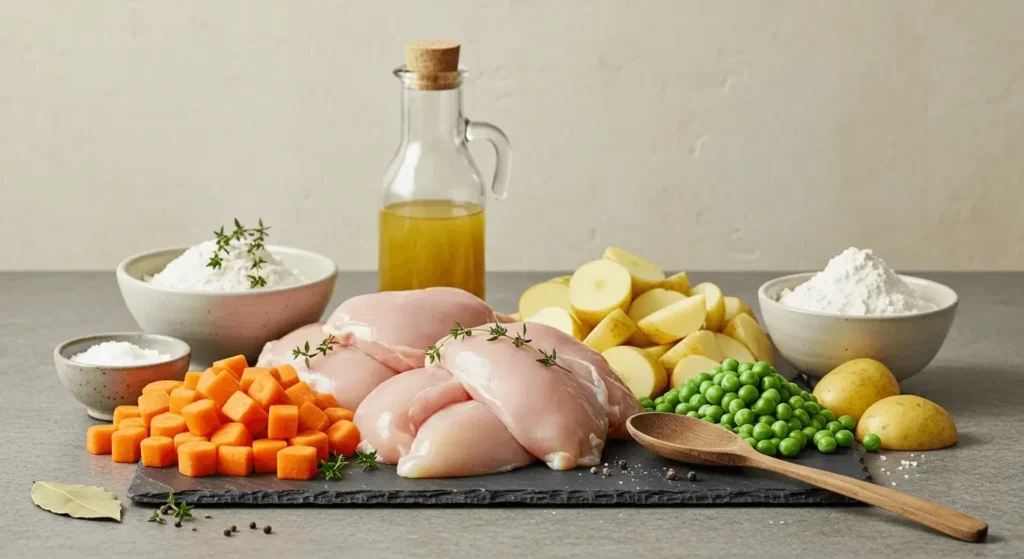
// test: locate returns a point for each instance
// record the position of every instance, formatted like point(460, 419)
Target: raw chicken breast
point(559, 416)
point(463, 439)
point(279, 352)
point(390, 416)
point(396, 327)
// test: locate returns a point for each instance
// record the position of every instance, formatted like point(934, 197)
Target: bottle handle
point(502, 153)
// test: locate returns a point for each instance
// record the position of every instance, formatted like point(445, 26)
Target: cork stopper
point(435, 63)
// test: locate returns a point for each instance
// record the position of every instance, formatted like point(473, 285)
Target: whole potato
point(908, 423)
point(852, 387)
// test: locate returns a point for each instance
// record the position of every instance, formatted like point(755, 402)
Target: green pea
point(703, 410)
point(745, 430)
point(645, 402)
point(773, 395)
point(799, 437)
point(727, 399)
point(764, 406)
point(697, 400)
point(809, 397)
point(762, 368)
point(683, 408)
point(801, 416)
point(793, 388)
point(811, 408)
point(871, 442)
point(749, 394)
point(648, 408)
point(795, 425)
point(693, 414)
point(823, 434)
point(784, 412)
point(743, 417)
point(762, 432)
point(749, 378)
point(700, 378)
point(731, 382)
point(818, 424)
point(809, 431)
point(715, 370)
point(844, 438)
point(715, 394)
point(827, 445)
point(735, 405)
point(664, 408)
point(672, 399)
point(769, 382)
point(717, 379)
point(659, 400)
point(776, 441)
point(744, 367)
point(847, 421)
point(730, 364)
point(766, 447)
point(780, 428)
point(708, 419)
point(704, 386)
point(715, 413)
point(688, 390)
point(766, 419)
point(727, 419)
point(789, 448)
point(819, 417)
point(796, 402)
point(834, 426)
point(724, 426)
point(784, 394)
point(828, 415)
point(751, 441)
point(671, 391)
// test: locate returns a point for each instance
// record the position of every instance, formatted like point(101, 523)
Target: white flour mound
point(856, 282)
point(190, 272)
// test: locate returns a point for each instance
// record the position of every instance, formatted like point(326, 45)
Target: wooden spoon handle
point(934, 515)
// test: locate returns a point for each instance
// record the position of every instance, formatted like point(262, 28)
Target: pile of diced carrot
point(230, 419)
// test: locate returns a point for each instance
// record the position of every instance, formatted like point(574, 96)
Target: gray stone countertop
point(978, 377)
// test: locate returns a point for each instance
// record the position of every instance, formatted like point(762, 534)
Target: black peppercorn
point(195, 529)
point(177, 524)
point(623, 465)
point(252, 525)
point(692, 476)
point(227, 532)
point(234, 528)
point(266, 529)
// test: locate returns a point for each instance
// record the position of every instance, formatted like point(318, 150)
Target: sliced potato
point(610, 332)
point(644, 274)
point(733, 348)
point(689, 367)
point(735, 306)
point(678, 282)
point(598, 288)
point(658, 350)
point(716, 305)
point(701, 342)
point(675, 321)
point(745, 329)
point(639, 370)
point(564, 280)
point(561, 319)
point(639, 339)
point(541, 296)
point(908, 422)
point(653, 300)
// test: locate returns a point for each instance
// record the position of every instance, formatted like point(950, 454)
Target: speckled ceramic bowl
point(219, 324)
point(817, 342)
point(103, 388)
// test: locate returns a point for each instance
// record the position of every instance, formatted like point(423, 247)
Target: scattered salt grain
point(118, 354)
point(906, 476)
point(881, 457)
point(894, 484)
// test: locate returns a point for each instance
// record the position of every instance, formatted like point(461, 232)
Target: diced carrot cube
point(125, 444)
point(197, 459)
point(219, 388)
point(287, 376)
point(182, 438)
point(167, 425)
point(153, 404)
point(236, 364)
point(158, 452)
point(326, 400)
point(132, 422)
point(191, 379)
point(300, 392)
point(124, 412)
point(297, 462)
point(315, 439)
point(165, 386)
point(97, 439)
point(244, 410)
point(249, 375)
point(266, 391)
point(343, 437)
point(337, 414)
point(232, 434)
point(264, 454)
point(284, 422)
point(205, 378)
point(312, 418)
point(181, 397)
point(201, 417)
point(234, 460)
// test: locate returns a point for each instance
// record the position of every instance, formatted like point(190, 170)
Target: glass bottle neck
point(432, 116)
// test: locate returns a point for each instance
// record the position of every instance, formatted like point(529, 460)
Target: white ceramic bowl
point(101, 388)
point(817, 342)
point(219, 324)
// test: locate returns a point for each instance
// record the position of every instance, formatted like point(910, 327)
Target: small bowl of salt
point(104, 371)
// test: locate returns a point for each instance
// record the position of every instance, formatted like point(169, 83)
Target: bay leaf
point(77, 501)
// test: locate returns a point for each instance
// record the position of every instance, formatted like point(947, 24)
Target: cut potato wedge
point(733, 348)
point(735, 306)
point(610, 332)
point(560, 319)
point(701, 342)
point(639, 339)
point(543, 295)
point(638, 369)
point(598, 288)
point(689, 367)
point(564, 280)
point(678, 282)
point(716, 305)
point(644, 275)
point(651, 301)
point(658, 350)
point(746, 330)
point(675, 321)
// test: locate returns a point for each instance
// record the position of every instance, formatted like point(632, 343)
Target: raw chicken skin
point(463, 439)
point(559, 416)
point(396, 327)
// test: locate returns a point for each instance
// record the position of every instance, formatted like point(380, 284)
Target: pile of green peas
point(753, 400)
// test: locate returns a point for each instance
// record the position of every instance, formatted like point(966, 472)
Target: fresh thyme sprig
point(155, 517)
point(255, 240)
point(332, 469)
point(496, 332)
point(326, 345)
point(367, 460)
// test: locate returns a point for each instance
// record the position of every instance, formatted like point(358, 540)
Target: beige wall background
point(721, 134)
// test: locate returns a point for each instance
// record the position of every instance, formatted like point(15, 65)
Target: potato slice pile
point(653, 330)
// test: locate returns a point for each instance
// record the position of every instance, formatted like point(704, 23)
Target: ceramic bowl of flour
point(219, 324)
point(816, 342)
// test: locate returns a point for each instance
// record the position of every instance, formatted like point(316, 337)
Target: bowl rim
point(762, 296)
point(122, 273)
point(58, 352)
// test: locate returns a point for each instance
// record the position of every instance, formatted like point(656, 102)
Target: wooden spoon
point(686, 439)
